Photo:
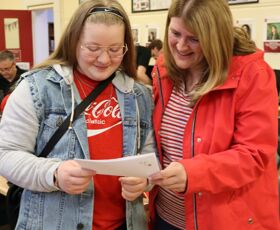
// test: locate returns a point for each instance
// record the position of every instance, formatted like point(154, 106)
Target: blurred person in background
point(156, 48)
point(143, 56)
point(9, 74)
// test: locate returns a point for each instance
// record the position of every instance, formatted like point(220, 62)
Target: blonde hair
point(218, 38)
point(65, 53)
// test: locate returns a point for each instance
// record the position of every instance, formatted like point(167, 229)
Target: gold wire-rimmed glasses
point(112, 51)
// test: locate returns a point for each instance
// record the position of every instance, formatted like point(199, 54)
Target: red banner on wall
point(271, 47)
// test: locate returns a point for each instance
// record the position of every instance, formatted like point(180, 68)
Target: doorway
point(43, 33)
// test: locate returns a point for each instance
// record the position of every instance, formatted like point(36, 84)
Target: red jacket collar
point(237, 65)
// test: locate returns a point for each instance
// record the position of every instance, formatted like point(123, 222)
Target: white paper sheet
point(134, 166)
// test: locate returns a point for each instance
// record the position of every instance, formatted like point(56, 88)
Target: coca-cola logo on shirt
point(103, 115)
point(104, 108)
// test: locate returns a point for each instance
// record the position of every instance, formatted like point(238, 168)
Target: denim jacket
point(34, 111)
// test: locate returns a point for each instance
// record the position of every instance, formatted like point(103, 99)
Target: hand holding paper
point(132, 166)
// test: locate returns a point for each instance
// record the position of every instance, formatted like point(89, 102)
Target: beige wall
point(67, 9)
point(145, 19)
point(11, 5)
point(257, 12)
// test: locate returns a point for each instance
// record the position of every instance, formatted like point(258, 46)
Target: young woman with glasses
point(59, 194)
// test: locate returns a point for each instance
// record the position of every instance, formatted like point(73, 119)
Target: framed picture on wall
point(249, 25)
point(149, 5)
point(152, 33)
point(273, 31)
point(272, 35)
point(233, 2)
point(136, 34)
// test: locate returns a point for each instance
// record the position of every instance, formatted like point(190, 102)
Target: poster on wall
point(149, 5)
point(272, 35)
point(249, 25)
point(136, 34)
point(159, 5)
point(233, 2)
point(152, 33)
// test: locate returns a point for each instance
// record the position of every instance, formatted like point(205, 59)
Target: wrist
point(55, 179)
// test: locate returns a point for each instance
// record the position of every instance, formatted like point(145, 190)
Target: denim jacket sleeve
point(18, 131)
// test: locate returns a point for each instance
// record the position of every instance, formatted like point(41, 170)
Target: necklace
point(83, 83)
point(81, 87)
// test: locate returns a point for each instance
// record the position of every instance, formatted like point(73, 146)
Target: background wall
point(256, 13)
point(259, 13)
point(11, 5)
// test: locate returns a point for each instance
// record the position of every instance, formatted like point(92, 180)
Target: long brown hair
point(211, 21)
point(65, 53)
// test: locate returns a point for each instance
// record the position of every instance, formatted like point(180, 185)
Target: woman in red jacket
point(215, 121)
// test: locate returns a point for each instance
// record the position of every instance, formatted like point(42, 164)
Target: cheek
point(172, 44)
point(199, 52)
point(78, 56)
point(83, 59)
point(201, 56)
point(117, 63)
point(171, 40)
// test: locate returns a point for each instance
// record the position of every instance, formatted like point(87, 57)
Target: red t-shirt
point(3, 103)
point(104, 126)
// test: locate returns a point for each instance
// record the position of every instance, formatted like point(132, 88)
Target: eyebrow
point(98, 44)
point(188, 36)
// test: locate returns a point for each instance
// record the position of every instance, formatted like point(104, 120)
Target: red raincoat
point(232, 177)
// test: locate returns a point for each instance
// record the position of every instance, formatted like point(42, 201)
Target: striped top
point(170, 205)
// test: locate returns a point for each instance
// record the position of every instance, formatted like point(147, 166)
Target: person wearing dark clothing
point(156, 48)
point(9, 73)
point(142, 61)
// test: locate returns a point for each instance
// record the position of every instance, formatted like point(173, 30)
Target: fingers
point(76, 189)
point(130, 196)
point(171, 183)
point(72, 168)
point(72, 178)
point(132, 180)
point(173, 177)
point(132, 187)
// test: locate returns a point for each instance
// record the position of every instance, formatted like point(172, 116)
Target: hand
point(72, 178)
point(132, 187)
point(173, 177)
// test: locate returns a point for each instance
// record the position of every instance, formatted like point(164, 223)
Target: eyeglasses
point(112, 51)
point(7, 69)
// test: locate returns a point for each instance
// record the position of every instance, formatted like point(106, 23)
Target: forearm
point(18, 133)
point(142, 76)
